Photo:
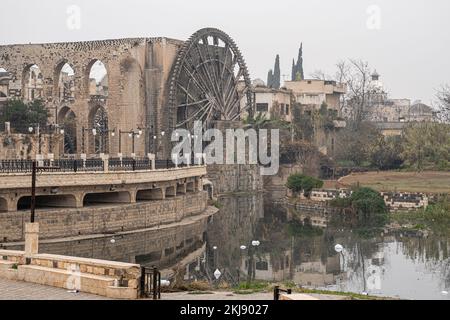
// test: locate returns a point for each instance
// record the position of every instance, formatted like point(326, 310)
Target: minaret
point(376, 82)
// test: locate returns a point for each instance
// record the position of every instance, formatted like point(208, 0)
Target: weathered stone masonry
point(138, 70)
point(95, 220)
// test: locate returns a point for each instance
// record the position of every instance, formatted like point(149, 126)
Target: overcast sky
point(408, 42)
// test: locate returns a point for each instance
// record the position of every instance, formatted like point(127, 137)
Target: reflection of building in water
point(166, 248)
point(268, 267)
point(319, 219)
point(316, 273)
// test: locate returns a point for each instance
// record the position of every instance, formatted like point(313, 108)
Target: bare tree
point(319, 75)
point(357, 75)
point(443, 96)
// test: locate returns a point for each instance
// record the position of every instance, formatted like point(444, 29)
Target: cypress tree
point(300, 63)
point(270, 79)
point(294, 70)
point(276, 73)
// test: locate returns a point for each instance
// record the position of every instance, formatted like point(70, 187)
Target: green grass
point(435, 217)
point(355, 296)
point(427, 181)
point(200, 292)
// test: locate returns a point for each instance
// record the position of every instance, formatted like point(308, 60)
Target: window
point(262, 265)
point(287, 109)
point(282, 108)
point(262, 107)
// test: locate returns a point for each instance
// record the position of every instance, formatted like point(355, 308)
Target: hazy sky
point(408, 42)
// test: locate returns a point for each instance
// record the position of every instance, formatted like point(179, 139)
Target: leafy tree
point(386, 153)
point(356, 143)
point(300, 182)
point(368, 206)
point(427, 144)
point(22, 115)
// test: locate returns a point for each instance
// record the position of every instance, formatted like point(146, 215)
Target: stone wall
point(137, 70)
point(235, 178)
point(275, 186)
point(103, 219)
point(26, 146)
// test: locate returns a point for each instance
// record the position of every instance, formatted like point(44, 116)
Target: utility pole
point(33, 190)
point(34, 169)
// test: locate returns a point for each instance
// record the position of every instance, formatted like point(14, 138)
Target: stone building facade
point(137, 68)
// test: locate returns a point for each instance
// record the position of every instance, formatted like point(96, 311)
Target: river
point(293, 247)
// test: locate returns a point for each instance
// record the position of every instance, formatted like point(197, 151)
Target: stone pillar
point(175, 159)
point(31, 239)
point(151, 157)
point(105, 159)
point(8, 127)
point(199, 157)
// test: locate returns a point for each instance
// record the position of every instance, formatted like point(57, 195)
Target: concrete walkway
point(216, 295)
point(224, 295)
point(19, 290)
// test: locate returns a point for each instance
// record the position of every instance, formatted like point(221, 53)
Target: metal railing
point(88, 165)
point(150, 285)
point(277, 291)
point(129, 164)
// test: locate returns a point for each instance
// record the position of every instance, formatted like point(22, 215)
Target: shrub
point(300, 182)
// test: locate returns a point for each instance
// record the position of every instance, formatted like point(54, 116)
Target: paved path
point(223, 295)
point(217, 295)
point(19, 290)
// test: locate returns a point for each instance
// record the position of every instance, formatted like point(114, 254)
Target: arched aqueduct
point(144, 79)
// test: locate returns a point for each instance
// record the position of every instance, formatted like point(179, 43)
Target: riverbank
point(427, 181)
point(202, 290)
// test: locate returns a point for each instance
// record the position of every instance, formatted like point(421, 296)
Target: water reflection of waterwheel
point(210, 81)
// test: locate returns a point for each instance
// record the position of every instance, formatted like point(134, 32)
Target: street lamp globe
point(94, 132)
point(61, 131)
point(30, 129)
point(113, 133)
point(214, 248)
point(255, 243)
point(338, 248)
point(243, 247)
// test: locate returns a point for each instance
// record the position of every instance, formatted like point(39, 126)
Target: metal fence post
point(155, 283)
point(142, 283)
point(276, 293)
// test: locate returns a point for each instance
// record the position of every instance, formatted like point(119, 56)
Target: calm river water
point(394, 265)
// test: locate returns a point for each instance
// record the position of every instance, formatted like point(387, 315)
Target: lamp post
point(131, 134)
point(83, 129)
point(251, 267)
point(37, 129)
point(242, 248)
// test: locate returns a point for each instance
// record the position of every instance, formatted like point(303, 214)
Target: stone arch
point(48, 201)
point(99, 138)
point(93, 198)
point(97, 83)
point(5, 77)
point(32, 83)
point(132, 102)
point(3, 204)
point(67, 120)
point(64, 81)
